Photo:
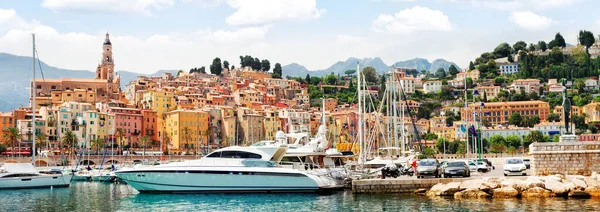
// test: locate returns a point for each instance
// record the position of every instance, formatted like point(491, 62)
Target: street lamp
point(442, 113)
point(481, 123)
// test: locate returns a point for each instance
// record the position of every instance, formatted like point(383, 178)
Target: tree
point(97, 144)
point(226, 64)
point(535, 136)
point(498, 148)
point(592, 128)
point(502, 50)
point(69, 140)
point(307, 78)
point(440, 73)
point(179, 72)
point(265, 65)
point(442, 143)
point(513, 141)
point(278, 72)
point(531, 47)
point(559, 40)
point(586, 38)
point(144, 140)
point(556, 138)
point(256, 64)
point(120, 135)
point(453, 70)
point(315, 81)
point(510, 58)
point(330, 79)
point(512, 150)
point(542, 45)
point(469, 82)
point(471, 66)
point(350, 72)
point(515, 119)
point(41, 140)
point(519, 45)
point(461, 148)
point(370, 74)
point(232, 67)
point(202, 70)
point(553, 117)
point(13, 136)
point(215, 67)
point(429, 152)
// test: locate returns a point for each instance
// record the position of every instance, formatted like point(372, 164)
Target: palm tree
point(97, 143)
point(41, 140)
point(69, 139)
point(13, 135)
point(145, 139)
point(207, 133)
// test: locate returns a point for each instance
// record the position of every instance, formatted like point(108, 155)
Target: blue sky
point(149, 35)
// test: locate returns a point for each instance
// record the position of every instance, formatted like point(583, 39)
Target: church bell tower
point(106, 67)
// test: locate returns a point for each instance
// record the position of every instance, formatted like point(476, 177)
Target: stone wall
point(391, 185)
point(568, 158)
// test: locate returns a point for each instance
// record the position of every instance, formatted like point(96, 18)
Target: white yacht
point(231, 169)
point(24, 175)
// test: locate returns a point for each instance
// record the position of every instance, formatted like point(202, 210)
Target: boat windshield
point(19, 175)
point(234, 154)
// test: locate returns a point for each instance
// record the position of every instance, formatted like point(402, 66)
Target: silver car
point(429, 167)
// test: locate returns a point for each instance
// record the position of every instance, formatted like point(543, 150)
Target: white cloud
point(508, 5)
point(144, 7)
point(81, 51)
point(267, 11)
point(529, 20)
point(349, 39)
point(412, 20)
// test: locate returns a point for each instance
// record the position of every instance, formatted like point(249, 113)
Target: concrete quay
point(398, 185)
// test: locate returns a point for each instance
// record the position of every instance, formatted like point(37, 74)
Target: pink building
point(129, 120)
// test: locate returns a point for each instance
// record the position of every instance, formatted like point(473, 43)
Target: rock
point(579, 183)
point(532, 182)
point(444, 189)
point(491, 183)
point(593, 191)
point(579, 194)
point(591, 182)
point(560, 189)
point(420, 191)
point(472, 184)
point(471, 193)
point(537, 192)
point(595, 175)
point(518, 185)
point(505, 192)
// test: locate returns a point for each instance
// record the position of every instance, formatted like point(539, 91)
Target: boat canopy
point(20, 168)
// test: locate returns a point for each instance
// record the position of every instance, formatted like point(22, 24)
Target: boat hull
point(243, 179)
point(81, 177)
point(44, 181)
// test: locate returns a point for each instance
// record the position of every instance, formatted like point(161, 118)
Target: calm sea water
point(113, 197)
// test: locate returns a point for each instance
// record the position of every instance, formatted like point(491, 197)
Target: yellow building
point(491, 92)
point(186, 130)
point(229, 126)
point(574, 111)
point(162, 102)
point(106, 126)
point(591, 112)
point(271, 123)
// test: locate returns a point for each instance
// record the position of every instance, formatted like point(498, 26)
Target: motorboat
point(25, 175)
point(230, 169)
point(103, 175)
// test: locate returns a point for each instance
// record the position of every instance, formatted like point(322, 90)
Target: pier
point(398, 185)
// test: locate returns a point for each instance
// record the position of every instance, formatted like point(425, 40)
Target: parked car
point(472, 166)
point(483, 167)
point(527, 162)
point(429, 167)
point(514, 166)
point(457, 168)
point(489, 163)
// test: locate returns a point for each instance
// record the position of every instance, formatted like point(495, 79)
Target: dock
point(398, 185)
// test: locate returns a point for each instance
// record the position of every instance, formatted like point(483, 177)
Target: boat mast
point(466, 116)
point(33, 91)
point(360, 119)
point(395, 110)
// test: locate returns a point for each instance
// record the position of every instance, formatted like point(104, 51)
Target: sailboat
point(25, 175)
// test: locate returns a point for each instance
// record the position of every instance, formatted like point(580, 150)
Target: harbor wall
point(567, 158)
point(397, 185)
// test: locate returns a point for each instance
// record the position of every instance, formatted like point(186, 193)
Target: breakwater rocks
point(574, 186)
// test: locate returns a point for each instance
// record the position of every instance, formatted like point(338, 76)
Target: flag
point(462, 128)
point(473, 131)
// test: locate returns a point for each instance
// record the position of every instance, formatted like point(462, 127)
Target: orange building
point(500, 112)
point(150, 124)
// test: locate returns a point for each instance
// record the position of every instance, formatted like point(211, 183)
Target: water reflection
point(114, 197)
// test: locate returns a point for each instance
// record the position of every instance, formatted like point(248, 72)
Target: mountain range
point(297, 70)
point(15, 74)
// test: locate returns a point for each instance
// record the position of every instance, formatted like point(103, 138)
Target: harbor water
point(89, 196)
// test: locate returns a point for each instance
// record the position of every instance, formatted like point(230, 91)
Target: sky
point(152, 35)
